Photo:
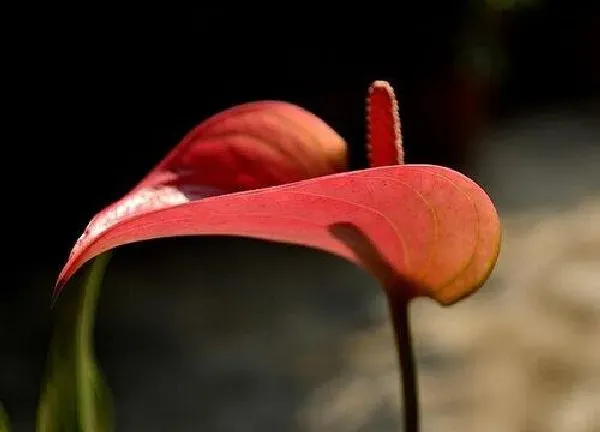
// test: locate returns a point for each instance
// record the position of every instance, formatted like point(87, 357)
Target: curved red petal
point(251, 146)
point(425, 229)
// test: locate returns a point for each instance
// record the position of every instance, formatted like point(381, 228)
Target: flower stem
point(399, 308)
point(74, 395)
point(86, 368)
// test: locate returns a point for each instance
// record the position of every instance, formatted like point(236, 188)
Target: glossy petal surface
point(427, 230)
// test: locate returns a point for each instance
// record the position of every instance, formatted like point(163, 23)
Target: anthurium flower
point(437, 229)
point(272, 171)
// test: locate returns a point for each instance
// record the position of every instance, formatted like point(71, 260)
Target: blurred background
point(240, 335)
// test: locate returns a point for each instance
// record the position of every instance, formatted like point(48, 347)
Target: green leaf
point(75, 396)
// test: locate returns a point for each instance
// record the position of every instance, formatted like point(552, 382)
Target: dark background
point(100, 95)
point(105, 94)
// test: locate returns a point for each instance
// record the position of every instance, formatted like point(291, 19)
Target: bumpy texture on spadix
point(435, 231)
point(384, 137)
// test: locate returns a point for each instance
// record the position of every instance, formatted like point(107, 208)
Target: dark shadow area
point(222, 329)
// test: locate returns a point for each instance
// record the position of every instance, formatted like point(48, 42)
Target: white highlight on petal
point(133, 204)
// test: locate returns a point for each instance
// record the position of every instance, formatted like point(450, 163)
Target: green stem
point(399, 308)
point(84, 346)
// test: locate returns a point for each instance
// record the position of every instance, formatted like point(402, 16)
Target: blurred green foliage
point(4, 423)
point(75, 396)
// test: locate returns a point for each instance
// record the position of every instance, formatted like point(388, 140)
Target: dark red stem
point(399, 308)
